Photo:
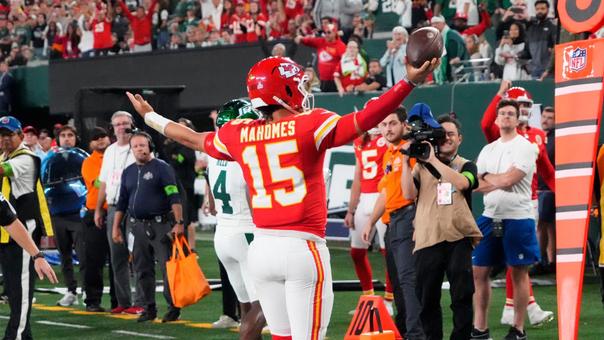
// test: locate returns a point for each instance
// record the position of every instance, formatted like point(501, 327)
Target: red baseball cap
point(31, 129)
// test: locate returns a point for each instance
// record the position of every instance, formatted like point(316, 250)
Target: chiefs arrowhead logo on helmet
point(288, 70)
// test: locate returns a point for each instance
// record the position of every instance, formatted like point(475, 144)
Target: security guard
point(20, 175)
point(148, 192)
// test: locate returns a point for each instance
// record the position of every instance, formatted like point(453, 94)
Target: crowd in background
point(525, 31)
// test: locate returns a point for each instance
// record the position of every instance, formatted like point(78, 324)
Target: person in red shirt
point(351, 70)
point(293, 8)
point(101, 30)
point(545, 169)
point(238, 22)
point(227, 12)
point(141, 25)
point(329, 51)
point(281, 157)
point(256, 24)
point(369, 151)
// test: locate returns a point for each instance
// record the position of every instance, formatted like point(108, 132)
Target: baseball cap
point(422, 111)
point(31, 129)
point(10, 123)
point(98, 132)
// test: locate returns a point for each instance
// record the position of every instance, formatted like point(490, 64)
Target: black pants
point(454, 259)
point(150, 245)
point(230, 304)
point(19, 278)
point(399, 299)
point(68, 234)
point(401, 245)
point(96, 254)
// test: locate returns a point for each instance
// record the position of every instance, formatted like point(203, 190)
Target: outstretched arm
point(353, 125)
point(182, 134)
point(490, 130)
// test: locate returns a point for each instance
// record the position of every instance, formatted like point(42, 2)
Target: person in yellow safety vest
point(20, 175)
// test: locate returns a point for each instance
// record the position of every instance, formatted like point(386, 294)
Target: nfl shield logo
point(578, 59)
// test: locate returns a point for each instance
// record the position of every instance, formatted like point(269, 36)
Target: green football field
point(52, 322)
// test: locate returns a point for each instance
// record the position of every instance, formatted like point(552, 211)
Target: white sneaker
point(538, 316)
point(225, 321)
point(507, 317)
point(68, 299)
point(389, 307)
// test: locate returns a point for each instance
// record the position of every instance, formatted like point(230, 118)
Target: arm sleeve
point(7, 212)
point(485, 22)
point(311, 41)
point(353, 124)
point(214, 147)
point(122, 203)
point(385, 58)
point(545, 168)
point(490, 130)
point(469, 170)
point(168, 182)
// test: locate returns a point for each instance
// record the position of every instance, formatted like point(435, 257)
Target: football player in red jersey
point(282, 161)
point(536, 315)
point(369, 150)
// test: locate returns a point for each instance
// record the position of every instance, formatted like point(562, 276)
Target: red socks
point(363, 269)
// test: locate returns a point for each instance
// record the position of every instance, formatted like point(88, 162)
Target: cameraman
point(445, 230)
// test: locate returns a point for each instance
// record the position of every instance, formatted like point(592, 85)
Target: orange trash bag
point(185, 278)
point(380, 334)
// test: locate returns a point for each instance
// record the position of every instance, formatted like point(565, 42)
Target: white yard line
point(144, 335)
point(70, 325)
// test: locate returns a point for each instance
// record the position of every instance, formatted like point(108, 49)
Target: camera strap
point(433, 170)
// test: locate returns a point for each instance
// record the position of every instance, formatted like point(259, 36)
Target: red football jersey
point(282, 163)
point(369, 157)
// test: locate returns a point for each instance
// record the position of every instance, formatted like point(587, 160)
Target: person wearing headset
point(116, 158)
point(149, 193)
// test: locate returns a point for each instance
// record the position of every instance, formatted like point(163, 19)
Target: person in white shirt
point(505, 170)
point(211, 10)
point(117, 157)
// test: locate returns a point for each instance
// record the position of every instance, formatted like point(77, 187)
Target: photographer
point(445, 229)
point(148, 191)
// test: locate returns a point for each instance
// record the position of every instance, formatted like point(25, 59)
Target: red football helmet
point(519, 94)
point(278, 81)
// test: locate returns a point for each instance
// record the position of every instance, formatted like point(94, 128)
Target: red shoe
point(118, 310)
point(134, 310)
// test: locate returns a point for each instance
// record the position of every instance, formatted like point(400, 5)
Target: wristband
point(39, 255)
point(408, 82)
point(157, 122)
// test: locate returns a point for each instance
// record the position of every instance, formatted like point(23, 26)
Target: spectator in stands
point(227, 11)
point(141, 25)
point(120, 24)
point(37, 39)
point(509, 52)
point(176, 42)
point(86, 45)
point(445, 8)
point(517, 13)
point(351, 70)
point(313, 84)
point(395, 57)
point(347, 10)
point(211, 10)
point(101, 28)
point(479, 50)
point(256, 24)
point(329, 51)
point(5, 37)
point(7, 87)
point(540, 40)
point(455, 47)
point(190, 19)
point(468, 10)
point(30, 140)
point(45, 140)
point(326, 9)
point(71, 42)
point(52, 31)
point(375, 81)
point(277, 20)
